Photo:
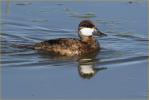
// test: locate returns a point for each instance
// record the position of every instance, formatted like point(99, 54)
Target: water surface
point(121, 66)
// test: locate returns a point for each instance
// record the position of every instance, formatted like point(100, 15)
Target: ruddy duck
point(73, 46)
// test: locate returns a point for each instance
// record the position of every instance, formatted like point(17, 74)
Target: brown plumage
point(72, 46)
point(68, 47)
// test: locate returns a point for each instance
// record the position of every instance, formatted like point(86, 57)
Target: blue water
point(121, 66)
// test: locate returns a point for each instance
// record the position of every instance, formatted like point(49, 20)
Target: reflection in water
point(87, 69)
point(86, 64)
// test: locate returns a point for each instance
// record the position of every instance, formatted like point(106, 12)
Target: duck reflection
point(87, 68)
point(86, 64)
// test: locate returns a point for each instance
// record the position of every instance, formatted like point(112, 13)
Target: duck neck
point(89, 40)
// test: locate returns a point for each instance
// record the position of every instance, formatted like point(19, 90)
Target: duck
point(85, 44)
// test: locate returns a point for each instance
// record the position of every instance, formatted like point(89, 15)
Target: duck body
point(69, 47)
point(85, 44)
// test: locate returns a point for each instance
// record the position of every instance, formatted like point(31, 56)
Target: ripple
point(13, 36)
point(116, 44)
point(14, 23)
point(23, 3)
point(128, 36)
point(55, 30)
point(85, 15)
point(75, 14)
point(123, 60)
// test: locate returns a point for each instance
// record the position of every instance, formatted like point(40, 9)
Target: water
point(120, 69)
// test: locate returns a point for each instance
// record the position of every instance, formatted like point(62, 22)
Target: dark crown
point(86, 23)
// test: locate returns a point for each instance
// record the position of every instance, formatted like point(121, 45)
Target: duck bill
point(98, 33)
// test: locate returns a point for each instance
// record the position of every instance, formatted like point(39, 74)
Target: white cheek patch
point(87, 31)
